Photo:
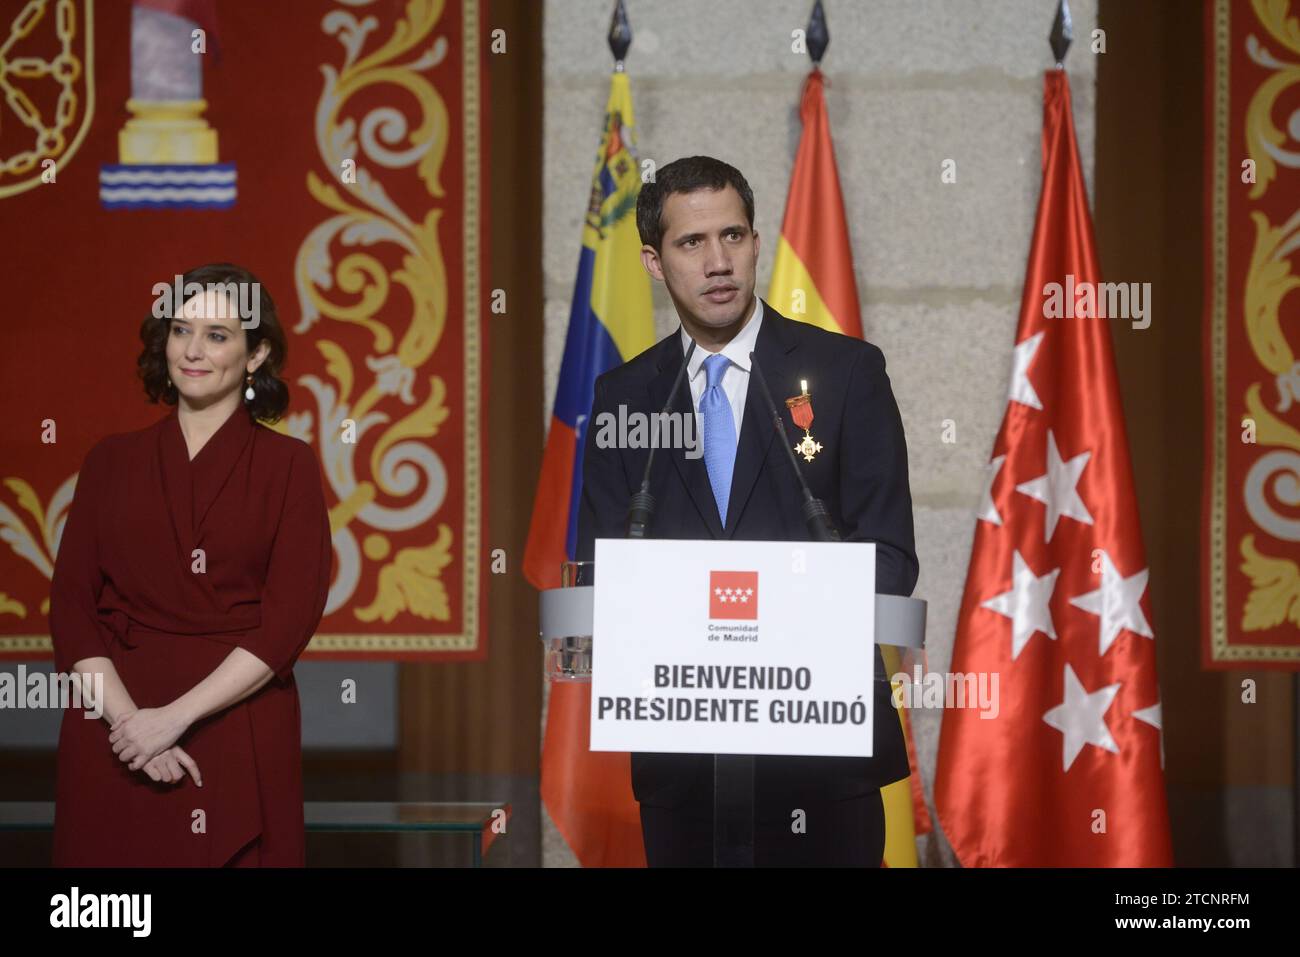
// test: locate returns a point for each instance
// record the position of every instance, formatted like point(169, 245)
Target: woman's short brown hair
point(271, 394)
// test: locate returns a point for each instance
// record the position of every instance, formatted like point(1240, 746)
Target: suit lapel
point(692, 471)
point(757, 430)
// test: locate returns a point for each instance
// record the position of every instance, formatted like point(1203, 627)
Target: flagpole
point(588, 793)
point(818, 34)
point(1062, 34)
point(1015, 795)
point(620, 35)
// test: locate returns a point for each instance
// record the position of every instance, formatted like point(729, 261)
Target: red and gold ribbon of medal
point(801, 411)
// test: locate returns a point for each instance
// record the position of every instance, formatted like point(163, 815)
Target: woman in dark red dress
point(193, 569)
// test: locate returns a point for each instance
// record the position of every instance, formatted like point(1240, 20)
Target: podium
point(569, 631)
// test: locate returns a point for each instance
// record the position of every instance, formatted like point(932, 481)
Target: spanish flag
point(812, 275)
point(589, 795)
point(812, 280)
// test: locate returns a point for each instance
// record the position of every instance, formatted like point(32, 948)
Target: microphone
point(641, 508)
point(815, 515)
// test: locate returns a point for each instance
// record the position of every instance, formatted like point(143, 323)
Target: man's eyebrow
point(734, 228)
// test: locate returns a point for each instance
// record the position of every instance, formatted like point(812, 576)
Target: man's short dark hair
point(686, 175)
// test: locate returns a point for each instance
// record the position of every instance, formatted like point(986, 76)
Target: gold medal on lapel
point(801, 411)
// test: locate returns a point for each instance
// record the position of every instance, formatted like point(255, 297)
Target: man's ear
point(650, 260)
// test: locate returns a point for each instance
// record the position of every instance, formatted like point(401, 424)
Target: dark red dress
point(125, 587)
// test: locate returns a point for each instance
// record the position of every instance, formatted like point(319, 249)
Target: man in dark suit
point(697, 225)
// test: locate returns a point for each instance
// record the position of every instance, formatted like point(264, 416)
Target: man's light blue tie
point(719, 433)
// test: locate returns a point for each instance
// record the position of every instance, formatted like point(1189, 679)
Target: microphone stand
point(815, 515)
point(641, 508)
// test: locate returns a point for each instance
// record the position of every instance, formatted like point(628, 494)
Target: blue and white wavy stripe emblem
point(207, 186)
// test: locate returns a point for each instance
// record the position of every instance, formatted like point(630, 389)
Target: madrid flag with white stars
point(1068, 771)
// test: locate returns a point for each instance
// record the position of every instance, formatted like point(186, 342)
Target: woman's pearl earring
point(249, 393)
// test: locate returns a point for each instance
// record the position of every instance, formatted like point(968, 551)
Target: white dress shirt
point(735, 380)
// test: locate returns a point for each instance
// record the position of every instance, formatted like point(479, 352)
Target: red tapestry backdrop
point(333, 148)
point(1251, 516)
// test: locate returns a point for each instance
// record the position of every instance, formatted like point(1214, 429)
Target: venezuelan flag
point(589, 794)
point(813, 281)
point(610, 321)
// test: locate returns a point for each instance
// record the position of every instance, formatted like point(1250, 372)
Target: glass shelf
point(476, 818)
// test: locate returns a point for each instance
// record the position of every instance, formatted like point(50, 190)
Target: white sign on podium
point(728, 647)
